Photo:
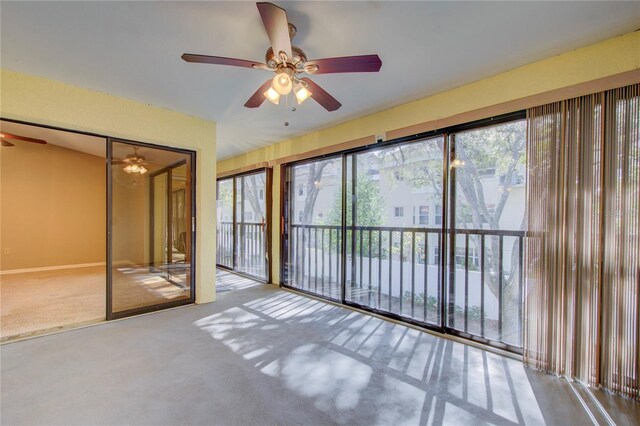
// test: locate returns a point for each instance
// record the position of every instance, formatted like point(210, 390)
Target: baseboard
point(51, 268)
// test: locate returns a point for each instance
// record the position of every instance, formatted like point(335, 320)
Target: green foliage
point(369, 212)
point(432, 303)
point(369, 205)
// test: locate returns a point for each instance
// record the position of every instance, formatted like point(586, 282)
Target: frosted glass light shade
point(282, 83)
point(302, 93)
point(272, 96)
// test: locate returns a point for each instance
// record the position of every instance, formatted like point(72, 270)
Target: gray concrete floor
point(260, 355)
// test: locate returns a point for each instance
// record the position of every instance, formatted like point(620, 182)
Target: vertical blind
point(583, 250)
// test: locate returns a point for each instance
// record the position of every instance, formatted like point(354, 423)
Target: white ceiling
point(78, 142)
point(94, 145)
point(132, 49)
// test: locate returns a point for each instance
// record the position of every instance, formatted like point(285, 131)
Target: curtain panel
point(583, 247)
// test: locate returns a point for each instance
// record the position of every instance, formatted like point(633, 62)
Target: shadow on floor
point(356, 367)
point(260, 356)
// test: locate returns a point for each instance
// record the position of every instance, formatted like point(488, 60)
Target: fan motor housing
point(297, 62)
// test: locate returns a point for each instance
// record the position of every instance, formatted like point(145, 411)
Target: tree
point(369, 205)
point(497, 151)
point(369, 212)
point(310, 177)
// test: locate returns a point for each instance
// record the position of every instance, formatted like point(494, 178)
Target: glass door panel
point(224, 230)
point(394, 229)
point(150, 207)
point(488, 167)
point(313, 227)
point(242, 219)
point(251, 225)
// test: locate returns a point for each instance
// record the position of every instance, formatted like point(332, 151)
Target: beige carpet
point(36, 302)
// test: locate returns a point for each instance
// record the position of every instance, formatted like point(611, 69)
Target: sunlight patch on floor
point(337, 361)
point(333, 380)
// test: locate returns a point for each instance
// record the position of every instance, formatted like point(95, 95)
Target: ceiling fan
point(288, 62)
point(5, 139)
point(135, 163)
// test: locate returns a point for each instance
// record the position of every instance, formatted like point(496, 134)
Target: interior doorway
point(92, 228)
point(53, 221)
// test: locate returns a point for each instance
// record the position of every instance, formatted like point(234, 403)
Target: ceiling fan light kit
point(282, 83)
point(289, 62)
point(133, 163)
point(135, 168)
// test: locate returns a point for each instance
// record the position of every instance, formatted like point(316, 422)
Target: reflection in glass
point(151, 227)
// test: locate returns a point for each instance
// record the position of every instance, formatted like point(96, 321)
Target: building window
point(398, 211)
point(261, 194)
point(301, 190)
point(423, 215)
point(300, 216)
point(488, 172)
point(474, 258)
point(438, 215)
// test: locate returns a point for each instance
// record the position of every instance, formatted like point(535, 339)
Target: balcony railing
point(224, 244)
point(398, 270)
point(250, 247)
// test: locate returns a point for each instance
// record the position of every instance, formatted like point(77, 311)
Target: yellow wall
point(607, 58)
point(43, 101)
point(53, 207)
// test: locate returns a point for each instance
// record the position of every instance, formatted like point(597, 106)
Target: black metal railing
point(224, 244)
point(487, 296)
point(398, 271)
point(315, 259)
point(250, 251)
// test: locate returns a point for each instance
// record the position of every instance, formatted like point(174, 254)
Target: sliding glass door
point(487, 222)
point(224, 230)
point(394, 229)
point(313, 240)
point(433, 229)
point(243, 211)
point(151, 233)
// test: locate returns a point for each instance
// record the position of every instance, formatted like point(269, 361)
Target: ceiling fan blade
point(23, 138)
point(363, 63)
point(258, 97)
point(219, 60)
point(321, 96)
point(6, 143)
point(275, 22)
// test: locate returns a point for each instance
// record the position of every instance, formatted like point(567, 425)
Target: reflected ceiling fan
point(6, 138)
point(288, 62)
point(134, 163)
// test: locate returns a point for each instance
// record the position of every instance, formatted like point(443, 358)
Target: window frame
point(444, 218)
